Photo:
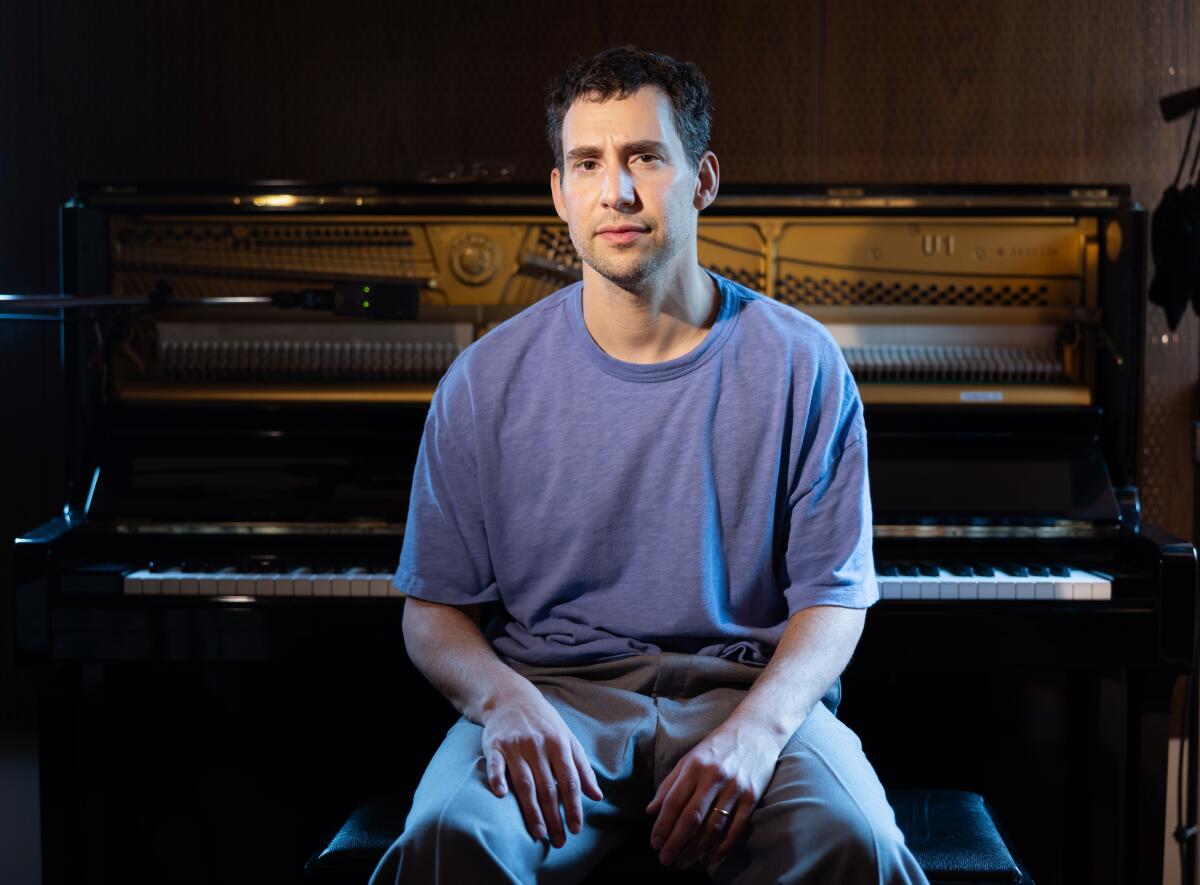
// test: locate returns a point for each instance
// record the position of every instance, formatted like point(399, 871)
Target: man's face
point(627, 190)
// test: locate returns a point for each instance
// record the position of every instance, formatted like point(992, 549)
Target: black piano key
point(959, 569)
point(1059, 570)
point(886, 570)
point(262, 567)
point(983, 570)
point(907, 570)
point(1015, 569)
point(928, 569)
point(1039, 571)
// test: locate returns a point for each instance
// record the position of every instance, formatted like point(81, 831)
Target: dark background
point(817, 91)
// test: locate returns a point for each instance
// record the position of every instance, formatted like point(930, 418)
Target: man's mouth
point(620, 234)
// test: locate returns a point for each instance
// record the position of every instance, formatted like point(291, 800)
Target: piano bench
point(951, 834)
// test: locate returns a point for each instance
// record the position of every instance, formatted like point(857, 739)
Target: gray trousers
point(823, 818)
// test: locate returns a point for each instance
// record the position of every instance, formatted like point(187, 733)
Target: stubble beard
point(630, 268)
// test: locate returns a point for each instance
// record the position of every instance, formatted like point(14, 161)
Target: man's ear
point(708, 180)
point(556, 192)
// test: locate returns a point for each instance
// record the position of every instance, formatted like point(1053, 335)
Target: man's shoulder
point(776, 323)
point(515, 334)
point(487, 360)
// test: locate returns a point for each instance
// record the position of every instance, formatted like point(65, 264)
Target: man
point(659, 479)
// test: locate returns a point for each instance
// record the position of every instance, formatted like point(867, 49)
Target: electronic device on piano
point(239, 470)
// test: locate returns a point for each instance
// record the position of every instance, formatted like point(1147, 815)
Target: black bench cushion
point(951, 834)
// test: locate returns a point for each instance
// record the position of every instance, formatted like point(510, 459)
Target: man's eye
point(648, 158)
point(585, 165)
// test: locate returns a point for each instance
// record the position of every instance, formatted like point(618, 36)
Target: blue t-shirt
point(615, 508)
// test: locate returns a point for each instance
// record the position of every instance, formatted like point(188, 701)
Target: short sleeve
point(829, 559)
point(445, 556)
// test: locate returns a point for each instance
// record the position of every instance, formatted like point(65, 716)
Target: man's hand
point(524, 736)
point(728, 771)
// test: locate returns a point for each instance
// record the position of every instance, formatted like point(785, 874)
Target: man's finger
point(568, 789)
point(587, 776)
point(525, 789)
point(547, 798)
point(661, 792)
point(737, 826)
point(716, 822)
point(688, 823)
point(669, 803)
point(495, 772)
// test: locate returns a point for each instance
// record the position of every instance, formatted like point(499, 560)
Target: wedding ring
point(721, 811)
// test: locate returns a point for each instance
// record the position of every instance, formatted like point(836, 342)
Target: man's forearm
point(451, 651)
point(815, 648)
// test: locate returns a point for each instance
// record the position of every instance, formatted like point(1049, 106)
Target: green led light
point(366, 290)
point(366, 304)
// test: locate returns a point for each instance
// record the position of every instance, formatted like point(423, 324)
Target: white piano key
point(264, 584)
point(133, 583)
point(930, 587)
point(381, 585)
point(227, 581)
point(947, 585)
point(284, 585)
point(889, 587)
point(302, 582)
point(207, 584)
point(246, 584)
point(910, 589)
point(358, 582)
point(169, 582)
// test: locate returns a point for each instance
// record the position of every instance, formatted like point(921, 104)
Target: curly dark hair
point(622, 71)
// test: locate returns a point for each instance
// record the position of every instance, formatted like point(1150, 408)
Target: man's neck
point(665, 320)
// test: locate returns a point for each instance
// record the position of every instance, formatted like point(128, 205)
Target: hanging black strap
point(1187, 149)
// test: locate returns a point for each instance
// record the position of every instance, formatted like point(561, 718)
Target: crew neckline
point(722, 326)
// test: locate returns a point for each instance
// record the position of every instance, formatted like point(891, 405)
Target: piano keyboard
point(184, 580)
point(923, 580)
point(897, 580)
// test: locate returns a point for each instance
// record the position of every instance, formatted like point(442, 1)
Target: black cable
point(1187, 147)
point(1195, 163)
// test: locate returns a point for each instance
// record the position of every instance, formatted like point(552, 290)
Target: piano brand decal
point(981, 396)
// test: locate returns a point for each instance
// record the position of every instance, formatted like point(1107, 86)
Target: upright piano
point(211, 618)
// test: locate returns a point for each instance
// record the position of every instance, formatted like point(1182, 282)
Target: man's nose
point(618, 188)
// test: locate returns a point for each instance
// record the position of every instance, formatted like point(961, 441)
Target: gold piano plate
point(976, 309)
point(156, 393)
point(929, 394)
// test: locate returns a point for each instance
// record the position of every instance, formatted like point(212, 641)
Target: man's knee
point(857, 847)
point(840, 843)
point(461, 826)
